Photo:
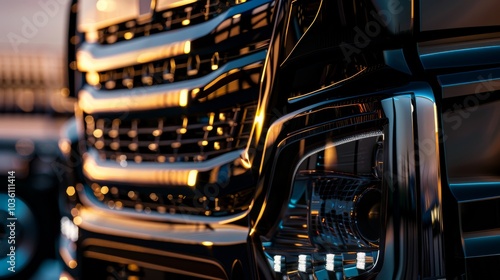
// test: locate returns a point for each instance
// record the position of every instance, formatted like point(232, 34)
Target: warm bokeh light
point(183, 98)
point(187, 47)
point(207, 243)
point(70, 191)
point(192, 178)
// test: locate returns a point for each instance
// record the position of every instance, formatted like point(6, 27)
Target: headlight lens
point(331, 228)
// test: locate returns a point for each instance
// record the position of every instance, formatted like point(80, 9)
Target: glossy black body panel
point(419, 72)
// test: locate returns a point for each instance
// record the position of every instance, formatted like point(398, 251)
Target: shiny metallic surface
point(370, 153)
point(415, 203)
point(167, 92)
point(431, 202)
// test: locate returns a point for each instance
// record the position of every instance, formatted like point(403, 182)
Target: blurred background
point(33, 108)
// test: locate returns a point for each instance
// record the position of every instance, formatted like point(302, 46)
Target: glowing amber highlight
point(70, 191)
point(72, 264)
point(183, 98)
point(104, 190)
point(77, 220)
point(128, 35)
point(92, 78)
point(207, 243)
point(192, 178)
point(187, 46)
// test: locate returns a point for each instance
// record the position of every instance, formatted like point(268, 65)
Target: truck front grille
point(209, 53)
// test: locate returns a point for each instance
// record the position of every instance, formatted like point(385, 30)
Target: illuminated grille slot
point(235, 37)
point(165, 20)
point(165, 71)
point(154, 201)
point(194, 138)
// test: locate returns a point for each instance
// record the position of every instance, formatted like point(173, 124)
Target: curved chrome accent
point(481, 243)
point(169, 4)
point(429, 180)
point(159, 174)
point(166, 217)
point(94, 57)
point(155, 97)
point(443, 54)
point(159, 262)
point(414, 204)
point(218, 234)
point(401, 237)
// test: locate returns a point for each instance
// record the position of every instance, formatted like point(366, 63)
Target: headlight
point(322, 210)
point(348, 196)
point(332, 223)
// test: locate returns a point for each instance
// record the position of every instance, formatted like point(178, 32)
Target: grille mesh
point(151, 201)
point(189, 138)
point(164, 20)
point(171, 70)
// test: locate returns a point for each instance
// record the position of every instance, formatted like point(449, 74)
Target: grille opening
point(211, 200)
point(235, 38)
point(188, 138)
point(164, 20)
point(167, 71)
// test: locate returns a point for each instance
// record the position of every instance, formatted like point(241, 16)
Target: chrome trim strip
point(169, 4)
point(117, 259)
point(92, 100)
point(401, 236)
point(439, 54)
point(166, 217)
point(481, 243)
point(429, 180)
point(466, 83)
point(95, 57)
point(98, 221)
point(145, 250)
point(159, 174)
point(487, 188)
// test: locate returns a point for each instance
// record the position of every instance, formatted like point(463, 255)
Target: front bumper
point(109, 246)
